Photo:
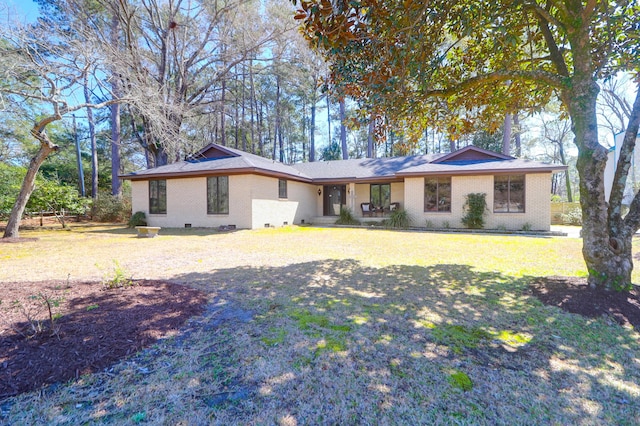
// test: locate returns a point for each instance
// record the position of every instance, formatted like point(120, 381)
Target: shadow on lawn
point(529, 362)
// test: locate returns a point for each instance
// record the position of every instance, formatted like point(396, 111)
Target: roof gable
point(213, 151)
point(471, 153)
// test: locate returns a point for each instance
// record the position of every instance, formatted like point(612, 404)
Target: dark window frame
point(378, 187)
point(509, 187)
point(219, 205)
point(443, 203)
point(158, 196)
point(282, 188)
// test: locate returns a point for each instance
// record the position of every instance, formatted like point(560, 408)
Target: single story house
point(222, 186)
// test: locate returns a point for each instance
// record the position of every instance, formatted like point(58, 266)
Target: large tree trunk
point(46, 148)
point(606, 246)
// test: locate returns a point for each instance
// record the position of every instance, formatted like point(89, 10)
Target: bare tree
point(178, 55)
point(43, 74)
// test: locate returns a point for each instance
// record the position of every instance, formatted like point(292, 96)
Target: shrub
point(109, 208)
point(137, 219)
point(573, 217)
point(475, 207)
point(398, 219)
point(346, 217)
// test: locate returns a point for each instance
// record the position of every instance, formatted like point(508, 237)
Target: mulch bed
point(96, 327)
point(574, 295)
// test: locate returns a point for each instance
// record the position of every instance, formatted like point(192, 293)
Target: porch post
point(351, 197)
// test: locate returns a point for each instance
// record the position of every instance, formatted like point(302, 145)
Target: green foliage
point(10, 180)
point(526, 227)
point(572, 217)
point(346, 217)
point(488, 141)
point(460, 380)
point(398, 219)
point(120, 278)
point(475, 207)
point(109, 208)
point(331, 152)
point(137, 219)
point(56, 197)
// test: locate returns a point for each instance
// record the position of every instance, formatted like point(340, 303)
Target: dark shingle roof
point(471, 160)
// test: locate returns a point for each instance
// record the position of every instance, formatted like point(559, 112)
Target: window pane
point(158, 196)
point(375, 195)
point(501, 194)
point(431, 195)
point(444, 194)
point(516, 194)
point(218, 195)
point(385, 195)
point(282, 188)
point(223, 194)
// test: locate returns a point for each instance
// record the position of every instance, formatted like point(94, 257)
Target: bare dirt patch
point(574, 295)
point(92, 327)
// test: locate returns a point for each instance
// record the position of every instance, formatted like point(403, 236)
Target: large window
point(381, 195)
point(508, 194)
point(158, 196)
point(218, 195)
point(282, 188)
point(437, 194)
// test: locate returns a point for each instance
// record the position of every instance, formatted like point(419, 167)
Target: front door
point(335, 197)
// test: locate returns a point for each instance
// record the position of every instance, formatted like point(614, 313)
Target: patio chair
point(367, 209)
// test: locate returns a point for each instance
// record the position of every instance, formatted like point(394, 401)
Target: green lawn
point(344, 326)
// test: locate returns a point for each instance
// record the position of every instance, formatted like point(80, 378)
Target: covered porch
point(368, 201)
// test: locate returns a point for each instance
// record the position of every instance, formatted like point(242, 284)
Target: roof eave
point(204, 173)
point(554, 169)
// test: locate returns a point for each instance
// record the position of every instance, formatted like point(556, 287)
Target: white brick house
point(221, 186)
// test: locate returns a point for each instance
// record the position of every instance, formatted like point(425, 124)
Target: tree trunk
point(343, 130)
point(223, 131)
point(516, 135)
point(563, 160)
point(276, 126)
point(312, 134)
point(76, 141)
point(94, 145)
point(506, 135)
point(370, 136)
point(46, 148)
point(116, 188)
point(606, 245)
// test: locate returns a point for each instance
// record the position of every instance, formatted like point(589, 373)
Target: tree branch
point(551, 79)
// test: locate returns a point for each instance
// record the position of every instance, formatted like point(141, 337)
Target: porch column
point(351, 197)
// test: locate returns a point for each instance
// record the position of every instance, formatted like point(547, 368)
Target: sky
point(22, 10)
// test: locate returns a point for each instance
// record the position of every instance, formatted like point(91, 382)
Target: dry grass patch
point(427, 330)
